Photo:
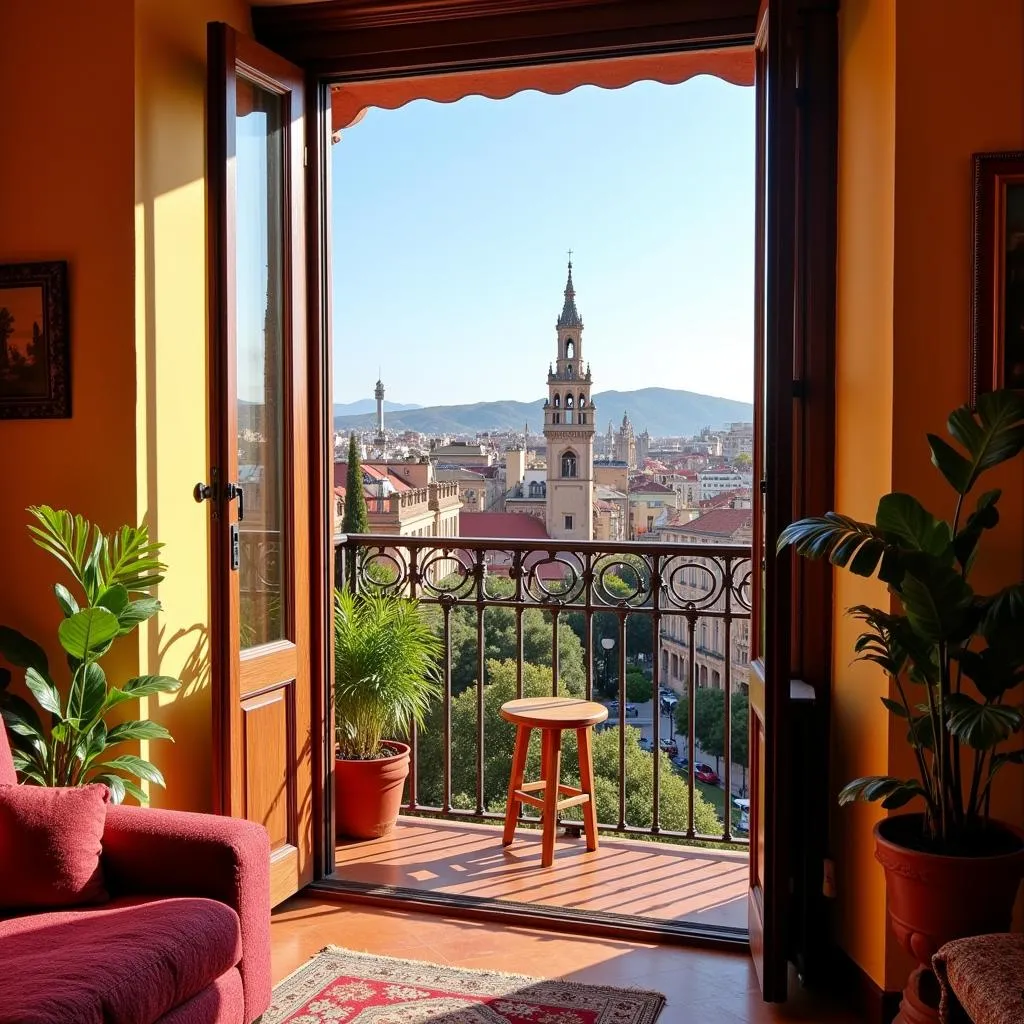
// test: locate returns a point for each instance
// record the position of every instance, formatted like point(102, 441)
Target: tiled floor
point(701, 987)
point(624, 876)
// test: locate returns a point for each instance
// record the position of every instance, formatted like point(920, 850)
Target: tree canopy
point(709, 723)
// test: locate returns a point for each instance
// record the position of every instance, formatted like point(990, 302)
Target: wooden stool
point(551, 715)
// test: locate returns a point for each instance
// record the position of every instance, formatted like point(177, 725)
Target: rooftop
point(500, 524)
point(719, 522)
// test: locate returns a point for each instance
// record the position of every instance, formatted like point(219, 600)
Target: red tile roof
point(501, 524)
point(649, 487)
point(719, 522)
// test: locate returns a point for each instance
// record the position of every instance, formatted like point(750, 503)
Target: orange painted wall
point(66, 193)
point(945, 80)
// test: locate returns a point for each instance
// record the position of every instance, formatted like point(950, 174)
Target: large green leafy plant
point(114, 576)
point(385, 670)
point(939, 632)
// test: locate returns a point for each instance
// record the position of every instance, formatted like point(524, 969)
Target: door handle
point(232, 491)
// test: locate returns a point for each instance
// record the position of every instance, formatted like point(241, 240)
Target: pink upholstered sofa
point(184, 939)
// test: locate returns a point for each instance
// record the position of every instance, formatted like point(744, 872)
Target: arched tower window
point(558, 402)
point(569, 464)
point(568, 400)
point(583, 400)
point(570, 348)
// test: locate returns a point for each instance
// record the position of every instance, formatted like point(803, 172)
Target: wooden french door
point(258, 487)
point(775, 327)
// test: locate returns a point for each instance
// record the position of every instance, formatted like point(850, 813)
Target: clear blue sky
point(452, 221)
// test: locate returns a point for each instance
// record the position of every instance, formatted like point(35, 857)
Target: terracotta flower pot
point(934, 898)
point(368, 794)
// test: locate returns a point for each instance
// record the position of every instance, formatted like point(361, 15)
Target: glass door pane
point(259, 349)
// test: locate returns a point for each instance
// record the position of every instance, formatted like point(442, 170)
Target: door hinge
point(305, 156)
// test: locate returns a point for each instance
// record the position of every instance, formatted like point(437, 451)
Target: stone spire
point(570, 315)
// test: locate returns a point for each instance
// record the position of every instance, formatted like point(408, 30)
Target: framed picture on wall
point(35, 378)
point(997, 316)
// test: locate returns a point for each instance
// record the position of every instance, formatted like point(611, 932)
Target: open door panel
point(775, 326)
point(258, 488)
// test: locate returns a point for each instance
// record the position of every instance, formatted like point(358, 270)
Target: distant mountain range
point(661, 411)
point(368, 405)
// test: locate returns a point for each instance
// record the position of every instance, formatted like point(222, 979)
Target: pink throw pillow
point(50, 844)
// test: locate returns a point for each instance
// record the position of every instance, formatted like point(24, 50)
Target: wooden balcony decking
point(656, 881)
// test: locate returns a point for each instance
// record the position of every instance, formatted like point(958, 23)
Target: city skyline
point(453, 280)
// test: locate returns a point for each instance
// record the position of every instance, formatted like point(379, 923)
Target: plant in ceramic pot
point(385, 677)
point(73, 743)
point(953, 656)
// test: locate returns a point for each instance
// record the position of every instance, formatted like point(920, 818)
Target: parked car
point(632, 711)
point(743, 805)
point(705, 773)
point(668, 703)
point(681, 762)
point(669, 746)
point(646, 744)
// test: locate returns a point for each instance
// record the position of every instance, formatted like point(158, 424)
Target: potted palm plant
point(385, 676)
point(953, 656)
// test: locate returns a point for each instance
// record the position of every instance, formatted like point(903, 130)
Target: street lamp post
point(607, 642)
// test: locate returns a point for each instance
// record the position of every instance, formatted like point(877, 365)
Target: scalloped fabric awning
point(350, 101)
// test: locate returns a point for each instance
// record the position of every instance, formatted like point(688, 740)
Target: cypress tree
point(355, 520)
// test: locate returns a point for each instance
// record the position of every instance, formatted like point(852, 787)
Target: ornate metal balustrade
point(607, 585)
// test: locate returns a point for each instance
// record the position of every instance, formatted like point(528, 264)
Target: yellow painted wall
point(172, 419)
point(66, 78)
point(923, 86)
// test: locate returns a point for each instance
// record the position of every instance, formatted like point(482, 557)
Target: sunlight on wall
point(171, 331)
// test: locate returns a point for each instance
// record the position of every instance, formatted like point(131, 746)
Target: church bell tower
point(569, 427)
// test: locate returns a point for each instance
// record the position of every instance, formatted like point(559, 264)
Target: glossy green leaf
point(876, 787)
point(143, 686)
point(991, 434)
point(136, 612)
point(19, 650)
point(137, 766)
point(114, 599)
point(88, 692)
point(951, 464)
point(903, 518)
point(114, 783)
point(845, 542)
point(981, 726)
point(939, 606)
point(87, 632)
point(136, 791)
point(67, 602)
point(144, 730)
point(43, 690)
point(895, 707)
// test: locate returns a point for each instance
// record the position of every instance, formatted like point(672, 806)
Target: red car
point(705, 773)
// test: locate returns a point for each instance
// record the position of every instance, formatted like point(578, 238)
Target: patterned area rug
point(341, 987)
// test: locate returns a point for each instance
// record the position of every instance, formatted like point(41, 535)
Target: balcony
point(530, 618)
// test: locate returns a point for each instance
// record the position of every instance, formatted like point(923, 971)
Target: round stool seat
point(554, 712)
point(550, 716)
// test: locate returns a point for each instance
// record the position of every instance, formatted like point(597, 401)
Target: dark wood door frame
point(343, 40)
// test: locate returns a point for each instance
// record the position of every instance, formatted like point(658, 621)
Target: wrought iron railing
point(602, 590)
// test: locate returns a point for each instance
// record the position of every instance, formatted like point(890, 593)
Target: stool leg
point(515, 780)
point(587, 785)
point(553, 743)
